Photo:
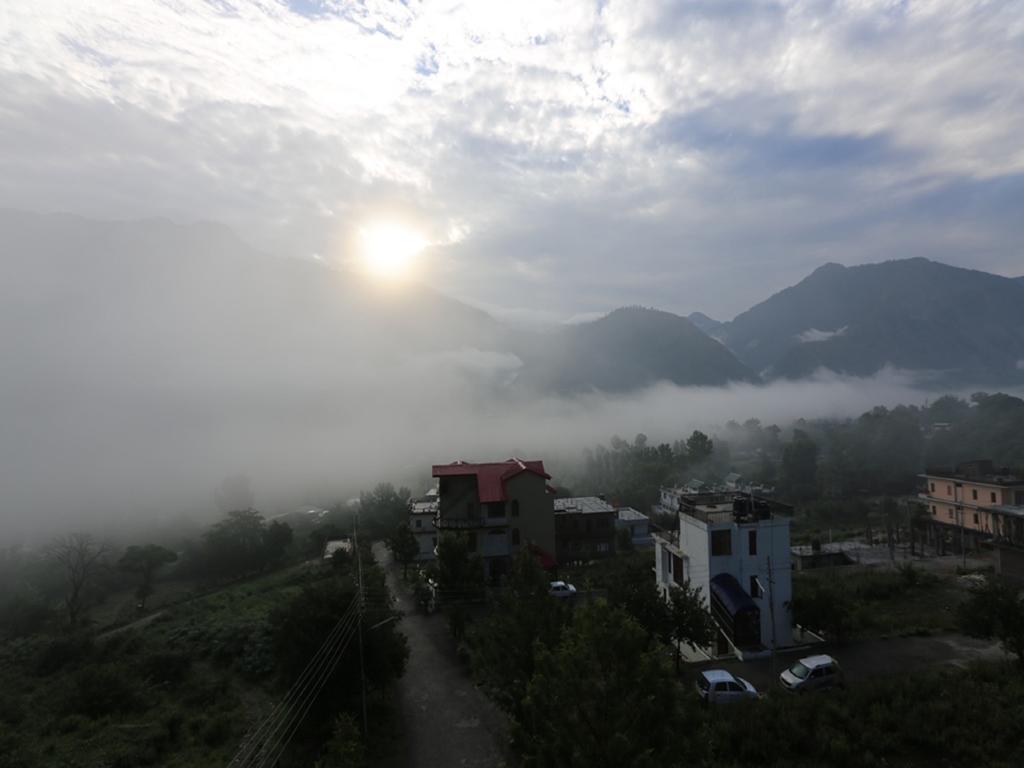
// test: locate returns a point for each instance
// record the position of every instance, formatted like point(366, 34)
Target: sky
point(561, 158)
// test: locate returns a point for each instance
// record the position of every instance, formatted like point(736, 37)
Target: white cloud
point(639, 146)
point(813, 334)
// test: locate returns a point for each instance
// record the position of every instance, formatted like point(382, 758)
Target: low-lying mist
point(130, 457)
point(144, 362)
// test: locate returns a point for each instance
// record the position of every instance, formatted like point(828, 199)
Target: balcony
point(469, 523)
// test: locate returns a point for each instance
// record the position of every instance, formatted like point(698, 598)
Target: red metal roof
point(490, 477)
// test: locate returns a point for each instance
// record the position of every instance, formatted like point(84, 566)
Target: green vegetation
point(182, 688)
point(874, 602)
point(995, 609)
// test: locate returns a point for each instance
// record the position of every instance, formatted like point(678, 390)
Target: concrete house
point(584, 529)
point(638, 525)
point(498, 507)
point(735, 549)
point(972, 503)
point(422, 512)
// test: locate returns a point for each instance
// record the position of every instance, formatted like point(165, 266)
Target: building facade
point(735, 549)
point(638, 525)
point(498, 507)
point(422, 513)
point(584, 529)
point(972, 503)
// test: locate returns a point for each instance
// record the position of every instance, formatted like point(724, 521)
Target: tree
point(699, 447)
point(145, 560)
point(995, 609)
point(83, 560)
point(235, 545)
point(688, 619)
point(601, 698)
point(384, 507)
point(404, 547)
point(800, 466)
point(276, 538)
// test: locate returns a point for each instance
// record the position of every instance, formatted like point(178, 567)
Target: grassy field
point(885, 602)
point(180, 691)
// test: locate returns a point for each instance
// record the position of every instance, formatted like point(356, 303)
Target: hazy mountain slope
point(962, 324)
point(629, 348)
point(707, 324)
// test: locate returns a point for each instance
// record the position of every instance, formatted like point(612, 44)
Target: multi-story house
point(584, 529)
point(498, 507)
point(422, 512)
point(972, 503)
point(638, 525)
point(735, 549)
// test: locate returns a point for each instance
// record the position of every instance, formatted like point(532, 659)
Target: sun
point(388, 250)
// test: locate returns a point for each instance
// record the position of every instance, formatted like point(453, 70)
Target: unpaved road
point(447, 721)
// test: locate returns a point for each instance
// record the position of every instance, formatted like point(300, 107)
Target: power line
point(254, 747)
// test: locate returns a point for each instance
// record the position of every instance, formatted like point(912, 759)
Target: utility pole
point(359, 570)
point(771, 610)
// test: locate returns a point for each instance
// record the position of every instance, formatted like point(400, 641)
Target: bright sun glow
point(388, 250)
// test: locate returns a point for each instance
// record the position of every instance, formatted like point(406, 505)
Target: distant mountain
point(629, 348)
point(707, 324)
point(960, 325)
point(154, 304)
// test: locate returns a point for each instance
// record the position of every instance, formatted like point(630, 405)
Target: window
point(603, 547)
point(755, 588)
point(515, 507)
point(975, 518)
point(934, 510)
point(752, 542)
point(992, 496)
point(419, 523)
point(515, 536)
point(950, 513)
point(949, 490)
point(496, 509)
point(974, 494)
point(721, 542)
point(931, 487)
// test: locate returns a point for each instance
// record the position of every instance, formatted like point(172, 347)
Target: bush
point(62, 652)
point(100, 690)
point(171, 668)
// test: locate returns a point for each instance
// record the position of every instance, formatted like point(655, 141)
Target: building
point(735, 549)
point(422, 512)
point(584, 529)
point(499, 507)
point(337, 545)
point(638, 525)
point(972, 503)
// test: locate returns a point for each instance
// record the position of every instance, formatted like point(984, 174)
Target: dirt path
point(447, 720)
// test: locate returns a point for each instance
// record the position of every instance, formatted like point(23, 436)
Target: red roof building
point(492, 476)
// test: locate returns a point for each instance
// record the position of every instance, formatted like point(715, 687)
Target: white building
point(735, 549)
point(422, 512)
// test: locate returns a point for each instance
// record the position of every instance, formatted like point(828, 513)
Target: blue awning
point(729, 592)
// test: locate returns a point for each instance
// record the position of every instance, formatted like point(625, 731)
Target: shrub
point(62, 652)
point(102, 689)
point(171, 668)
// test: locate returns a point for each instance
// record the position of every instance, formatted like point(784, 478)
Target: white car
point(561, 589)
point(717, 686)
point(813, 673)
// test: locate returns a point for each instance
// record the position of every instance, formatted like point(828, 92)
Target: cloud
point(813, 334)
point(644, 153)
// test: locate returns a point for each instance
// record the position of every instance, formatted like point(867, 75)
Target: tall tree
point(82, 559)
point(601, 698)
point(688, 619)
point(995, 609)
point(404, 547)
point(699, 447)
point(144, 561)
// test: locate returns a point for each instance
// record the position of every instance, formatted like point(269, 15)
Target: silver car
point(813, 673)
point(717, 686)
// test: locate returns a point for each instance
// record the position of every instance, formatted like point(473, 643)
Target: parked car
point(561, 589)
point(717, 686)
point(813, 673)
